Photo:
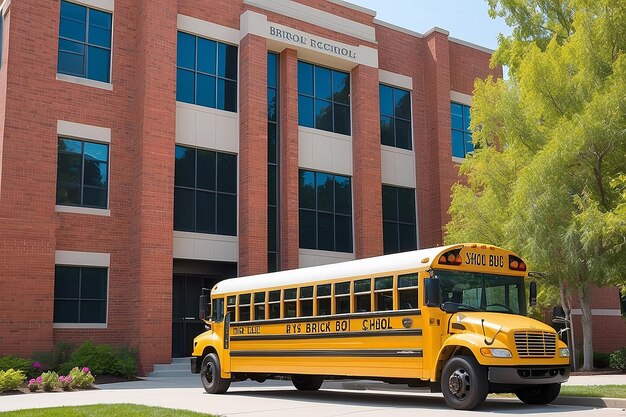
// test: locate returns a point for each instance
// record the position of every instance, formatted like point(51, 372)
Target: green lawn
point(606, 391)
point(104, 410)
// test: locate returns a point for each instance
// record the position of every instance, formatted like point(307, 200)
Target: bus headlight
point(496, 353)
point(564, 353)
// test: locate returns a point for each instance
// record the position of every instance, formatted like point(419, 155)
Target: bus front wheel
point(307, 382)
point(539, 394)
point(211, 375)
point(464, 383)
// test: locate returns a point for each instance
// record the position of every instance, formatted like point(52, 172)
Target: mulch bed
point(100, 380)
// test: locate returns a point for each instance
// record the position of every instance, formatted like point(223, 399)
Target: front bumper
point(535, 375)
point(195, 365)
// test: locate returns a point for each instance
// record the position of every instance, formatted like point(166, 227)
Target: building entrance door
point(185, 321)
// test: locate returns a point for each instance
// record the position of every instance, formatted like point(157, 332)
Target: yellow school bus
point(452, 318)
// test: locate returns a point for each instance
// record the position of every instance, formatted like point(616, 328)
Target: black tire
point(538, 394)
point(464, 383)
point(211, 377)
point(307, 382)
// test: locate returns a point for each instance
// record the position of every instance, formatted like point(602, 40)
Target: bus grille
point(535, 344)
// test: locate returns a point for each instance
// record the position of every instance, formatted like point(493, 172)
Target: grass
point(104, 410)
point(606, 391)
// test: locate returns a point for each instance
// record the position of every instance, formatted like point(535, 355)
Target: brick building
point(148, 149)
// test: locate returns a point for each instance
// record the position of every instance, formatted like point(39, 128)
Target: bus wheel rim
point(459, 383)
point(208, 375)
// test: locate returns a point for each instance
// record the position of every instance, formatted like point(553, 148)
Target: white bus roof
point(360, 267)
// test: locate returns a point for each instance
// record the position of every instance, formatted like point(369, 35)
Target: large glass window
point(82, 173)
point(80, 294)
point(395, 117)
point(206, 72)
point(323, 98)
point(84, 42)
point(399, 229)
point(622, 298)
point(272, 162)
point(461, 133)
point(205, 191)
point(325, 212)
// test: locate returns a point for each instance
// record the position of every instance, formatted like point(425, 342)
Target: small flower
point(39, 380)
point(36, 365)
point(86, 370)
point(32, 381)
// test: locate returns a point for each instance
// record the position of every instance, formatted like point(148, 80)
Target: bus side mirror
point(532, 299)
point(432, 292)
point(202, 313)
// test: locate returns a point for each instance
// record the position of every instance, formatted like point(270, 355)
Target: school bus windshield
point(474, 291)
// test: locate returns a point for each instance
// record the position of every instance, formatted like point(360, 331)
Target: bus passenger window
point(342, 297)
point(259, 306)
point(363, 295)
point(231, 302)
point(290, 303)
point(306, 301)
point(217, 313)
point(383, 289)
point(323, 300)
point(274, 304)
point(244, 307)
point(407, 291)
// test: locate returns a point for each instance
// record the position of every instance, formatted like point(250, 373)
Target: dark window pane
point(408, 299)
point(271, 104)
point(362, 285)
point(323, 83)
point(69, 168)
point(96, 152)
point(342, 288)
point(323, 290)
point(186, 51)
point(206, 56)
point(259, 297)
point(205, 93)
point(390, 238)
point(386, 100)
point(226, 173)
point(69, 145)
point(456, 116)
point(73, 11)
point(184, 209)
point(94, 197)
point(271, 185)
point(342, 305)
point(95, 174)
point(68, 194)
point(307, 229)
point(307, 189)
point(305, 111)
point(290, 294)
point(406, 205)
point(402, 104)
point(343, 195)
point(271, 143)
point(306, 308)
point(466, 118)
point(403, 134)
point(458, 148)
point(306, 292)
point(226, 214)
point(98, 64)
point(65, 311)
point(342, 119)
point(407, 280)
point(185, 167)
point(71, 63)
point(227, 61)
point(325, 231)
point(93, 311)
point(407, 237)
point(259, 312)
point(324, 192)
point(272, 68)
point(343, 234)
point(244, 299)
point(384, 283)
point(271, 229)
point(323, 307)
point(66, 282)
point(99, 28)
point(387, 131)
point(185, 86)
point(244, 313)
point(341, 87)
point(93, 283)
point(72, 29)
point(469, 145)
point(323, 115)
point(205, 212)
point(384, 301)
point(390, 203)
point(227, 95)
point(363, 303)
point(305, 78)
point(206, 170)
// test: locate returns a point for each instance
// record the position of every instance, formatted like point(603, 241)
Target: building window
point(80, 294)
point(399, 231)
point(323, 98)
point(272, 162)
point(206, 72)
point(85, 42)
point(622, 294)
point(325, 212)
point(205, 192)
point(82, 173)
point(395, 117)
point(461, 133)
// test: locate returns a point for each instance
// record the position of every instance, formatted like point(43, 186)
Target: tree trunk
point(584, 298)
point(566, 303)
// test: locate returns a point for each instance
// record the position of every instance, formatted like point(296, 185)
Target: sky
point(464, 19)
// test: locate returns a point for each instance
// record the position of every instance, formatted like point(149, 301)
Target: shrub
point(102, 360)
point(35, 383)
point(50, 380)
point(81, 378)
point(600, 360)
point(21, 364)
point(65, 382)
point(11, 379)
point(52, 360)
point(617, 359)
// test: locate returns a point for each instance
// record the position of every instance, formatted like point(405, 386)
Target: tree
point(548, 176)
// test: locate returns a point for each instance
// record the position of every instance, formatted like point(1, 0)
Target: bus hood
point(496, 323)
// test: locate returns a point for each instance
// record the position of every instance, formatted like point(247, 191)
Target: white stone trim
point(457, 159)
point(82, 210)
point(398, 167)
point(253, 23)
point(437, 29)
point(106, 5)
point(598, 312)
point(207, 128)
point(313, 257)
point(73, 258)
point(461, 98)
point(354, 7)
point(208, 247)
point(83, 131)
point(398, 28)
point(317, 17)
point(208, 29)
point(319, 150)
point(471, 45)
point(86, 81)
point(396, 80)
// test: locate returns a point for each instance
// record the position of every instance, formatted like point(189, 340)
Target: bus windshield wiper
point(452, 307)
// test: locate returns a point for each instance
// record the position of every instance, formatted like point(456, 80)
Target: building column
point(252, 155)
point(288, 139)
point(435, 170)
point(153, 185)
point(366, 179)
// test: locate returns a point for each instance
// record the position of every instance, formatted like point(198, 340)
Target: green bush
point(11, 379)
point(50, 381)
point(21, 364)
point(600, 360)
point(617, 359)
point(102, 360)
point(52, 360)
point(81, 379)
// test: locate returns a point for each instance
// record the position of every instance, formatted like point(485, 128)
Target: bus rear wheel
point(539, 394)
point(211, 375)
point(307, 382)
point(464, 383)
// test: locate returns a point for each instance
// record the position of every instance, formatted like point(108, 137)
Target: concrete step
point(180, 367)
point(172, 367)
point(180, 360)
point(170, 374)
